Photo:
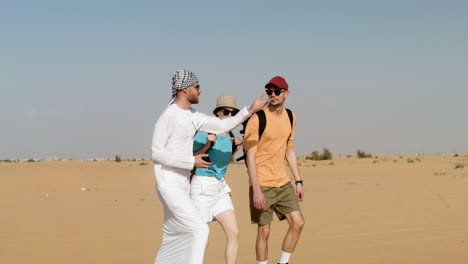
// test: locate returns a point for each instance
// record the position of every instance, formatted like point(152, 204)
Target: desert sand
point(374, 210)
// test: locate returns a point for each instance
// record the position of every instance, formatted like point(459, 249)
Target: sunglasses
point(276, 91)
point(227, 112)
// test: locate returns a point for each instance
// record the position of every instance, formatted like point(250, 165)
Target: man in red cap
point(269, 139)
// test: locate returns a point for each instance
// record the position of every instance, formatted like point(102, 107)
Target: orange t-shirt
point(270, 150)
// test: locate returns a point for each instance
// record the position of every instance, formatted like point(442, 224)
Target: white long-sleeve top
point(174, 131)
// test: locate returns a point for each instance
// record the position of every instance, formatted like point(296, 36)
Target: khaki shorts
point(281, 200)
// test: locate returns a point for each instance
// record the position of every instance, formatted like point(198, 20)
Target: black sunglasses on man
point(276, 91)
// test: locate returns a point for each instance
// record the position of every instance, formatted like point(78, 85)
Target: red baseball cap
point(279, 82)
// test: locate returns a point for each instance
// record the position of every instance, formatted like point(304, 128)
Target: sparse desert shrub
point(395, 161)
point(409, 160)
point(30, 160)
point(118, 158)
point(331, 163)
point(361, 154)
point(315, 155)
point(459, 166)
point(143, 163)
point(418, 159)
point(455, 155)
point(375, 161)
point(326, 155)
point(5, 160)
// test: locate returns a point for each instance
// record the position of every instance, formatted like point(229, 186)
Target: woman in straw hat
point(209, 190)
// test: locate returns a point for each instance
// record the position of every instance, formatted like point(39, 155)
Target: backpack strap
point(261, 123)
point(291, 120)
point(234, 147)
point(290, 115)
point(261, 127)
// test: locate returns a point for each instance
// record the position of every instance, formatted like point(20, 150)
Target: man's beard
point(194, 100)
point(276, 103)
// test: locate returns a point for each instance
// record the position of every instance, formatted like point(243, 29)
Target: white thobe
point(185, 234)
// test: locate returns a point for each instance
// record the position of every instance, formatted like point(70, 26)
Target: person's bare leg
point(227, 220)
point(296, 223)
point(263, 233)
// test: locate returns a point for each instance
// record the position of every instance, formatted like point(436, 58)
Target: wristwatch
point(301, 182)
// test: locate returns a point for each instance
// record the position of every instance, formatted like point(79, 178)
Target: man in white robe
point(185, 234)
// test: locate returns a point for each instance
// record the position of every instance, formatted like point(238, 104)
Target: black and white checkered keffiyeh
point(181, 80)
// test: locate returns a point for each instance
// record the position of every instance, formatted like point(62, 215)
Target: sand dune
point(379, 210)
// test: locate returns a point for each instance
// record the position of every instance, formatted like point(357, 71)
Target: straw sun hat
point(225, 101)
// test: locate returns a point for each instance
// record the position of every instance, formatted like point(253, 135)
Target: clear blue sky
point(88, 79)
